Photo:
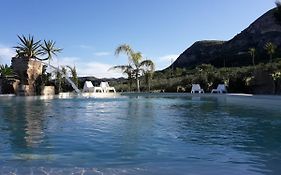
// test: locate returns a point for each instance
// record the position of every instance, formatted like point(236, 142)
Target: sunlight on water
point(144, 135)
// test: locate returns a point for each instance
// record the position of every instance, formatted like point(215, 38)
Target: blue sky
point(90, 30)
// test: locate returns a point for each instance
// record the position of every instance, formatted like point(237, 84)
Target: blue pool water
point(138, 135)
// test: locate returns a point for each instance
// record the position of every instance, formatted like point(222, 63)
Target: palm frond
point(148, 64)
point(124, 48)
point(49, 49)
point(136, 58)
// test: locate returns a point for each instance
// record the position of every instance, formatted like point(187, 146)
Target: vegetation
point(136, 67)
point(28, 48)
point(270, 49)
point(49, 49)
point(252, 51)
point(5, 70)
point(74, 75)
point(42, 80)
point(31, 49)
point(237, 79)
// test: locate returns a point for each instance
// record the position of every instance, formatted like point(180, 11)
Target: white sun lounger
point(196, 89)
point(220, 89)
point(106, 88)
point(89, 87)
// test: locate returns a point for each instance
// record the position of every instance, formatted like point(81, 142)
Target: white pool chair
point(196, 89)
point(106, 88)
point(88, 87)
point(220, 89)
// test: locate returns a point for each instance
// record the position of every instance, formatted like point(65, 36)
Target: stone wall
point(25, 90)
point(28, 70)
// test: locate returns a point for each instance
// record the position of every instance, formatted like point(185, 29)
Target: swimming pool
point(138, 135)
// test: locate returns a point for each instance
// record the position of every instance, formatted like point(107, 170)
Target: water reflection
point(25, 121)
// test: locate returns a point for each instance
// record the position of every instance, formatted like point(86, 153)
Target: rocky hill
point(234, 52)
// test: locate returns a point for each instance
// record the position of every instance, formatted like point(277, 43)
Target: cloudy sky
point(90, 30)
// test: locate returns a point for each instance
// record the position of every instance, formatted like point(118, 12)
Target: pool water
point(138, 135)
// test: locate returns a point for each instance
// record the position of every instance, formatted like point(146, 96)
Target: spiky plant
point(28, 47)
point(49, 49)
point(5, 70)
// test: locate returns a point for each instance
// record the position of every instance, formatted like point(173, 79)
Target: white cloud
point(84, 46)
point(100, 54)
point(168, 58)
point(163, 62)
point(87, 68)
point(99, 70)
point(6, 55)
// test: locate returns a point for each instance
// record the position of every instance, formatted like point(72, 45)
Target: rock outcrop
point(28, 70)
point(234, 52)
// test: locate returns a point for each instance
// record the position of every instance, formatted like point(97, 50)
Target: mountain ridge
point(234, 52)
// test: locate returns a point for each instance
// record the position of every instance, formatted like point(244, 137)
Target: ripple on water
point(138, 136)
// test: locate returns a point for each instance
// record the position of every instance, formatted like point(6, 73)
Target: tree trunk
point(138, 83)
point(148, 83)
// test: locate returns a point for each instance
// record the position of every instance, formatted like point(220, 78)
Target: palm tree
point(252, 51)
point(148, 75)
point(28, 48)
point(135, 65)
point(74, 75)
point(49, 49)
point(270, 48)
point(127, 70)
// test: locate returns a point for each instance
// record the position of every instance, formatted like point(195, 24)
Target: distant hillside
point(235, 51)
point(96, 81)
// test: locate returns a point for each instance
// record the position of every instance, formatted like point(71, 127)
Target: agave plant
point(136, 67)
point(49, 49)
point(28, 47)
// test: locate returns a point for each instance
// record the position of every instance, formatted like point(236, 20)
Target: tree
point(135, 65)
point(5, 70)
point(127, 70)
point(252, 51)
point(49, 49)
point(270, 48)
point(148, 75)
point(74, 75)
point(28, 47)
